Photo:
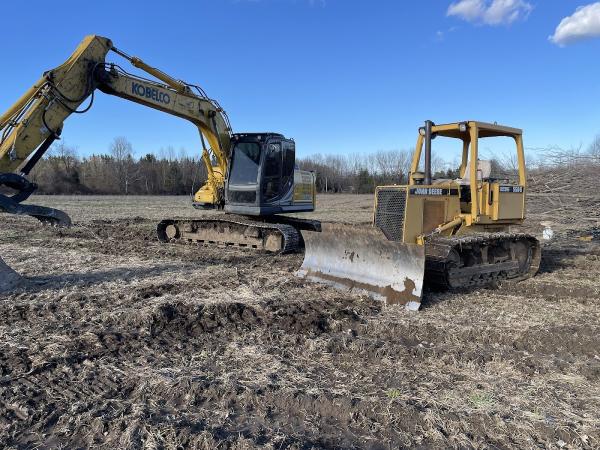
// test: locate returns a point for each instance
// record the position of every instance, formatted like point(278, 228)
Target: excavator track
point(274, 235)
point(480, 259)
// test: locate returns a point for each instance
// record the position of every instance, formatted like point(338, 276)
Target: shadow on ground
point(80, 279)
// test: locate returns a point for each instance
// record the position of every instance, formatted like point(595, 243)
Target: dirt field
point(121, 342)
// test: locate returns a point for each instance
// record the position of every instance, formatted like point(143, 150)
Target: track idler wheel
point(167, 230)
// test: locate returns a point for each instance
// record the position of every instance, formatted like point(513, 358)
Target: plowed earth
point(118, 341)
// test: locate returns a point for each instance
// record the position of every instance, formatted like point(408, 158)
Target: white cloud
point(490, 12)
point(441, 35)
point(583, 24)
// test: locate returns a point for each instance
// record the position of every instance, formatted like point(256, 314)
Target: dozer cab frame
point(475, 202)
point(450, 233)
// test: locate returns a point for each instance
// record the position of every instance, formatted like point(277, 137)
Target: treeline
point(63, 171)
point(362, 173)
point(118, 172)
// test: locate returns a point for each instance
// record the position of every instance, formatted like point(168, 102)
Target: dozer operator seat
point(484, 171)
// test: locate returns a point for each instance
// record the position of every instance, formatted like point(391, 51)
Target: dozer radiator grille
point(389, 216)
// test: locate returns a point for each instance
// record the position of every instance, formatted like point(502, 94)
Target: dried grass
point(123, 342)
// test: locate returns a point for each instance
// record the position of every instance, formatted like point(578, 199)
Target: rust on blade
point(362, 259)
point(391, 295)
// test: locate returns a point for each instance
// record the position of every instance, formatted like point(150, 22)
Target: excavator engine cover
point(362, 260)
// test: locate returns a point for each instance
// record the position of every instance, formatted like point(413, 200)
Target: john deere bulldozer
point(450, 233)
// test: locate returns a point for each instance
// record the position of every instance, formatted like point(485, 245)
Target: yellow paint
point(43, 109)
point(304, 187)
point(490, 209)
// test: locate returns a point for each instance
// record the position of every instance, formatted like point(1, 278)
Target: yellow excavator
point(252, 176)
point(450, 233)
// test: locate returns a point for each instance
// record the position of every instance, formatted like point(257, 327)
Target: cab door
point(288, 166)
point(271, 182)
point(278, 173)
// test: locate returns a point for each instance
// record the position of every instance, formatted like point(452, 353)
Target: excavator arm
point(35, 121)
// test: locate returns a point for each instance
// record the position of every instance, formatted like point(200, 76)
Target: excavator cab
point(262, 178)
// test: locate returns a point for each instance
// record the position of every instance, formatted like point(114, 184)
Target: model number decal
point(151, 93)
point(515, 189)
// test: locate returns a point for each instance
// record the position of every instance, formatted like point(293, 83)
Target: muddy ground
point(118, 341)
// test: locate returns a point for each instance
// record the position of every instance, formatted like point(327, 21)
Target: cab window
point(273, 160)
point(246, 161)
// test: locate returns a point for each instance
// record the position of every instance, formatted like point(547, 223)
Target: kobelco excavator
point(252, 176)
point(450, 233)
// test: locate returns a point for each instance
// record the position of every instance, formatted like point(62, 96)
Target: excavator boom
point(38, 116)
point(35, 121)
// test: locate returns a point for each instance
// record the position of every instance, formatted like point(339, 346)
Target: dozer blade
point(363, 260)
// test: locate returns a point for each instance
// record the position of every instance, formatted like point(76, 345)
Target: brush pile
point(564, 191)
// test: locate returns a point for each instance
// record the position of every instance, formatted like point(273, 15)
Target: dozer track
point(275, 235)
point(480, 259)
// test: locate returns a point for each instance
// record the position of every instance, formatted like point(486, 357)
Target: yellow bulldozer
point(451, 233)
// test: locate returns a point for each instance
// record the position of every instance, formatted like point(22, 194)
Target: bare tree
point(594, 149)
point(65, 155)
point(391, 166)
point(122, 153)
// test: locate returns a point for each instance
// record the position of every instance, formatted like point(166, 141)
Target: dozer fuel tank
point(362, 260)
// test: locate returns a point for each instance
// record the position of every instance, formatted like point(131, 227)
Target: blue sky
point(339, 76)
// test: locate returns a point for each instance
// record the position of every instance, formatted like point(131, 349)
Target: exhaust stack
point(428, 125)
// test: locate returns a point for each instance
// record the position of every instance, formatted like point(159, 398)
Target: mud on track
point(119, 341)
